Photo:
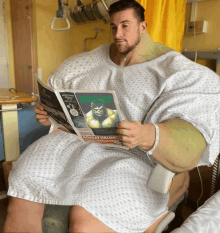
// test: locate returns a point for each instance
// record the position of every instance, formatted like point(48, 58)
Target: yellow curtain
point(165, 21)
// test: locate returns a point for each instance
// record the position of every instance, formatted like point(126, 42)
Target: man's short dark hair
point(128, 4)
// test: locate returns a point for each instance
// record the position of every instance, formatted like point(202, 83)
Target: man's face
point(126, 30)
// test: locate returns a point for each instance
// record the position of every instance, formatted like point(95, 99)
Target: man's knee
point(179, 186)
point(186, 180)
point(23, 216)
point(18, 206)
point(80, 220)
point(181, 181)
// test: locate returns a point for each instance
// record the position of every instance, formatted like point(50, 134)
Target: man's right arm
point(43, 118)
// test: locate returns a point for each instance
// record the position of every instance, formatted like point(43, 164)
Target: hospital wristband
point(150, 152)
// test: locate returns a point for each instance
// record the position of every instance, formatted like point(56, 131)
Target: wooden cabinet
point(23, 42)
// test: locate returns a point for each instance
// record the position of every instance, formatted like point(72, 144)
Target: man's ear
point(143, 26)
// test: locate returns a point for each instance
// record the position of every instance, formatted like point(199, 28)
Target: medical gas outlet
point(196, 27)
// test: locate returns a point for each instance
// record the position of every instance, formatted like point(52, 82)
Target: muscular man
point(101, 117)
point(107, 187)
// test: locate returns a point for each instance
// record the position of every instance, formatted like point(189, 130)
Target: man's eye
point(125, 26)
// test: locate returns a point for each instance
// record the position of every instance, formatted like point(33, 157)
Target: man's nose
point(118, 33)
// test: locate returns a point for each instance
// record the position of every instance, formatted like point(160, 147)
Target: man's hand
point(133, 133)
point(41, 116)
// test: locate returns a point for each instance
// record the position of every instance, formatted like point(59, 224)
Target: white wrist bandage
point(160, 178)
point(150, 152)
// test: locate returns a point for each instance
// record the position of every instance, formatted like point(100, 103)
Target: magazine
point(90, 115)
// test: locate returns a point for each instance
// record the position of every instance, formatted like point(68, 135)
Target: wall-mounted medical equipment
point(91, 12)
point(196, 27)
point(81, 13)
point(61, 14)
point(92, 38)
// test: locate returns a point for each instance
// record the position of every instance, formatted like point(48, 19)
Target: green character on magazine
point(100, 116)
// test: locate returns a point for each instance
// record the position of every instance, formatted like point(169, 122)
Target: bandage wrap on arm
point(160, 178)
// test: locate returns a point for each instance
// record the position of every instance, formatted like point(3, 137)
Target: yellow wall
point(53, 47)
point(210, 11)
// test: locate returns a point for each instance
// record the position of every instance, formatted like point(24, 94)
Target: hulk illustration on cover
point(101, 117)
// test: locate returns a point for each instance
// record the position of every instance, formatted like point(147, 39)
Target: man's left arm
point(180, 144)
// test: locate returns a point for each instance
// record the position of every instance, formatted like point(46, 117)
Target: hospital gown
point(111, 182)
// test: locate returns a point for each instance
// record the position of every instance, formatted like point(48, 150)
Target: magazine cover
point(92, 115)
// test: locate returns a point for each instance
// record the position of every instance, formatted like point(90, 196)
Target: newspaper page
point(52, 106)
point(92, 115)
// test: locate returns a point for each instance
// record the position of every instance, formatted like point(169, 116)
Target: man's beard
point(129, 48)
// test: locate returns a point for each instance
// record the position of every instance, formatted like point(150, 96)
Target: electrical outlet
point(200, 27)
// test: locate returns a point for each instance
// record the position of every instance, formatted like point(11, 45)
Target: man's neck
point(119, 58)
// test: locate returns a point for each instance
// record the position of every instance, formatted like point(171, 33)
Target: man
point(107, 187)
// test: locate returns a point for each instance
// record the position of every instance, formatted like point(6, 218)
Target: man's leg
point(80, 220)
point(179, 186)
point(23, 216)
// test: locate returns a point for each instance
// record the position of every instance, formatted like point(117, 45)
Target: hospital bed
point(205, 220)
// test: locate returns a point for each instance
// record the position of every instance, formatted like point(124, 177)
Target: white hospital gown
point(111, 183)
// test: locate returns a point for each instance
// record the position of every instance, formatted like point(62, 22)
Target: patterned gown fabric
point(111, 183)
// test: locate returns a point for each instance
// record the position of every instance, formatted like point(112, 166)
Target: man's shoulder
point(178, 62)
point(177, 65)
point(174, 60)
point(102, 48)
point(99, 52)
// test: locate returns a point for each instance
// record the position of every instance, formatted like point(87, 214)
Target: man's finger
point(39, 106)
point(125, 139)
point(42, 120)
point(123, 132)
point(129, 125)
point(129, 145)
point(40, 112)
point(39, 116)
point(36, 110)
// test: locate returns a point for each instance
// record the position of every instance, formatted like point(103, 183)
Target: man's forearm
point(180, 145)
